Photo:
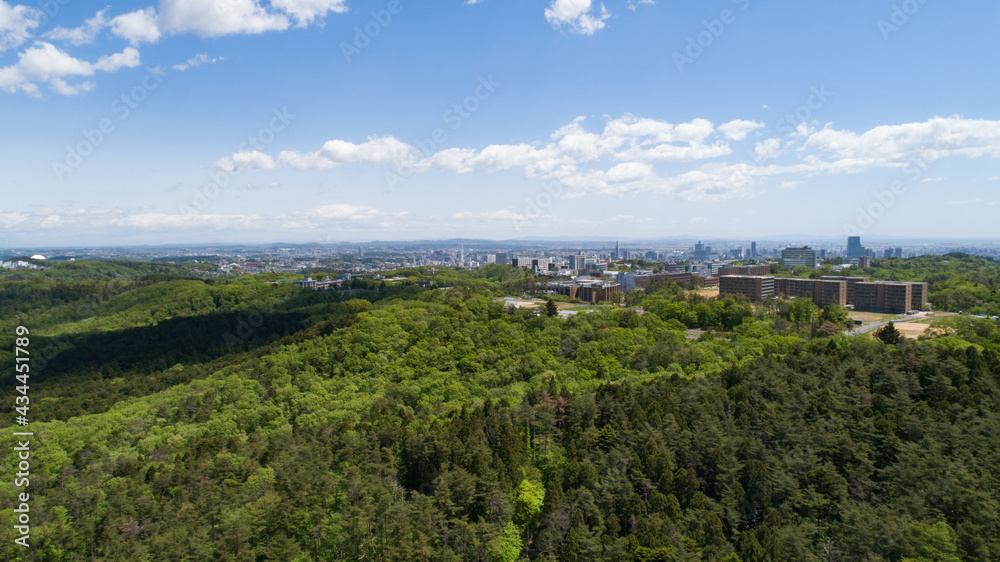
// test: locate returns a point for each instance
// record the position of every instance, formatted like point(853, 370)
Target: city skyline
point(171, 122)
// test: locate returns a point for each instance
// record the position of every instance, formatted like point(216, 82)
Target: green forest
point(181, 416)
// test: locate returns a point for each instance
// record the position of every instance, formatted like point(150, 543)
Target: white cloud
point(83, 35)
point(306, 11)
point(926, 141)
point(129, 58)
point(623, 218)
point(632, 5)
point(578, 15)
point(140, 26)
point(766, 149)
point(994, 178)
point(502, 215)
point(629, 155)
point(737, 130)
point(931, 180)
point(44, 62)
point(142, 219)
point(376, 151)
point(216, 18)
point(338, 214)
point(196, 61)
point(191, 221)
point(10, 220)
point(16, 24)
point(252, 160)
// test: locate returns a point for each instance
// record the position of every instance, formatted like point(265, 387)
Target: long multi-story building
point(745, 270)
point(754, 287)
point(890, 298)
point(918, 292)
point(821, 292)
point(631, 281)
point(852, 283)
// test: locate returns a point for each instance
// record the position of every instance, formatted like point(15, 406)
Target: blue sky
point(337, 120)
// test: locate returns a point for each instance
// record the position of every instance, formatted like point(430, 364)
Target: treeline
point(843, 450)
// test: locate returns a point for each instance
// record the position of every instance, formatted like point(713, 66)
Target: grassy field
point(536, 303)
point(875, 316)
point(912, 329)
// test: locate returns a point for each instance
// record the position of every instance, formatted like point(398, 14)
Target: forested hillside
point(179, 417)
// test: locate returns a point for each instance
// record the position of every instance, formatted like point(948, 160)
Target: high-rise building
point(361, 251)
point(702, 252)
point(753, 250)
point(461, 255)
point(854, 248)
point(864, 261)
point(899, 253)
point(791, 257)
point(503, 258)
point(618, 254)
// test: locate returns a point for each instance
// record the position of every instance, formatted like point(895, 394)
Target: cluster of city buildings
point(890, 297)
point(327, 284)
point(856, 254)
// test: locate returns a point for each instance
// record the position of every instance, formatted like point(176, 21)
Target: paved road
point(877, 325)
point(866, 329)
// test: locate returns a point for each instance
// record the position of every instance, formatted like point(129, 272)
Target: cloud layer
point(44, 62)
point(695, 160)
point(579, 16)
